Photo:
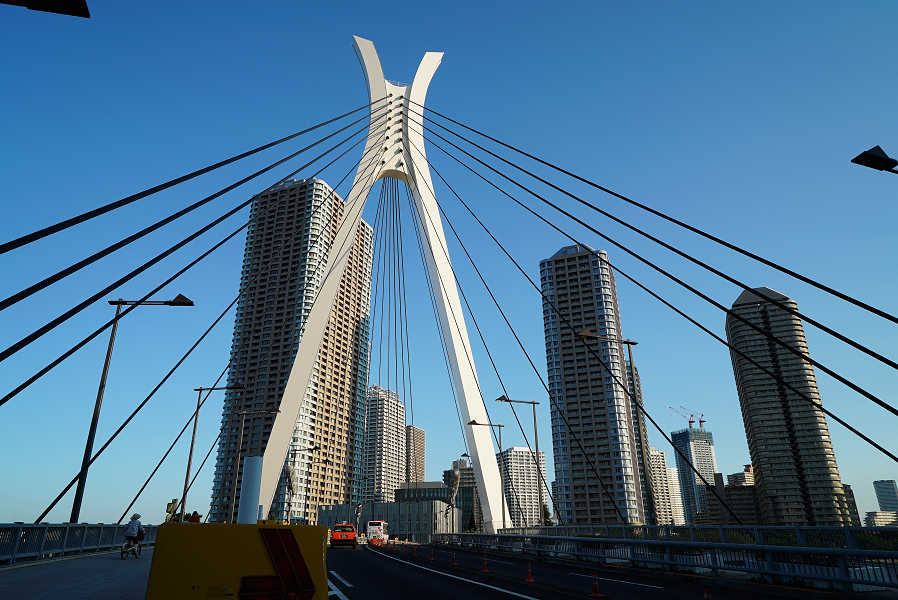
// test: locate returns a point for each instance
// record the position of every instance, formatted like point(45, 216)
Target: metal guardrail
point(26, 542)
point(846, 569)
point(861, 538)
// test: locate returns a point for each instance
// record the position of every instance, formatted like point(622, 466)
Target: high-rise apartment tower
point(284, 264)
point(794, 464)
point(578, 282)
point(524, 492)
point(385, 452)
point(676, 496)
point(415, 449)
point(660, 487)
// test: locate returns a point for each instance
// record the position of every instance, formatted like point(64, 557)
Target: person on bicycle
point(133, 529)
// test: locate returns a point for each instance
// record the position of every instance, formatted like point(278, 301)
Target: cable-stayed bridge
point(389, 135)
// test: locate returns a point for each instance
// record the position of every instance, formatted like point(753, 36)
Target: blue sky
point(739, 119)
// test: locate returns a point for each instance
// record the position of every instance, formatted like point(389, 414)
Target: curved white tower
point(395, 148)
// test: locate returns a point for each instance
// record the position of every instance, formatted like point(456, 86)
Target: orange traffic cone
point(595, 587)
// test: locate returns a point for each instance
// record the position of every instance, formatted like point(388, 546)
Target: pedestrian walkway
point(94, 577)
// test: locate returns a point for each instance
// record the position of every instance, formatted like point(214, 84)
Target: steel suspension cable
point(134, 273)
point(465, 345)
point(769, 336)
point(172, 249)
point(690, 258)
point(429, 286)
point(607, 369)
point(611, 499)
point(779, 379)
point(62, 225)
point(173, 369)
point(769, 263)
point(540, 475)
point(48, 281)
point(268, 307)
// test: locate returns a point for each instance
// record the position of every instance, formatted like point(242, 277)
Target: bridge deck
point(97, 577)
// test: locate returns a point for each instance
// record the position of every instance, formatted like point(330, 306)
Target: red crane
point(701, 419)
point(686, 415)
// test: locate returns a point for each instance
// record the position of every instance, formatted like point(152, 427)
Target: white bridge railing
point(25, 542)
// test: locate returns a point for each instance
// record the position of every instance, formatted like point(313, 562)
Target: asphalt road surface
point(96, 577)
point(364, 573)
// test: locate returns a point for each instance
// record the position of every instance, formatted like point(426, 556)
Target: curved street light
point(179, 300)
point(876, 158)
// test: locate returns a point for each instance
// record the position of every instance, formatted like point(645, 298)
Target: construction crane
point(686, 415)
point(701, 418)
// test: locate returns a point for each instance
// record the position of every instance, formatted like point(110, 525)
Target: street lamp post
point(501, 463)
point(876, 158)
point(242, 415)
point(313, 449)
point(179, 300)
point(539, 475)
point(586, 334)
point(196, 416)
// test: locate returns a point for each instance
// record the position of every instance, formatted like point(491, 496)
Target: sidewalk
point(96, 577)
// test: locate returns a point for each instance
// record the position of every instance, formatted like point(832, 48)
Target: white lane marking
point(343, 581)
point(657, 587)
point(498, 589)
point(335, 591)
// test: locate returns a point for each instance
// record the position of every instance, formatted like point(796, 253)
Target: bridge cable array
point(778, 378)
point(758, 258)
point(754, 362)
point(84, 304)
point(390, 285)
point(63, 225)
point(178, 364)
point(804, 357)
point(280, 292)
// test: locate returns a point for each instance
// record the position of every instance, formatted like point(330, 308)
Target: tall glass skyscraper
point(697, 445)
point(886, 494)
point(579, 282)
point(794, 464)
point(284, 265)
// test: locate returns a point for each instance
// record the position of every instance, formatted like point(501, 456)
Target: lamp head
point(180, 300)
point(875, 158)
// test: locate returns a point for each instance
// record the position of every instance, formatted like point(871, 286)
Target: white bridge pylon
point(395, 148)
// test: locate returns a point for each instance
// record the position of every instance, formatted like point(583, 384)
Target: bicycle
point(130, 547)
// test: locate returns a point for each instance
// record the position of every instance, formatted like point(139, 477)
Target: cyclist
point(132, 531)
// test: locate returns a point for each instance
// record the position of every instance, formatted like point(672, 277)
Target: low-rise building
point(881, 518)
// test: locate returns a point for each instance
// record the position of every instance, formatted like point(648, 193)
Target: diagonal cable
point(596, 356)
point(173, 369)
point(62, 225)
point(769, 263)
point(804, 357)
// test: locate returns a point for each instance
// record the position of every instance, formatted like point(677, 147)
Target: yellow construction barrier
point(265, 561)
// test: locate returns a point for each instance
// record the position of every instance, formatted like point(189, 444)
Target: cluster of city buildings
point(355, 456)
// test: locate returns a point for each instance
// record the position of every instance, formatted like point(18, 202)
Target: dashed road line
point(492, 587)
point(343, 581)
point(333, 590)
point(657, 587)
